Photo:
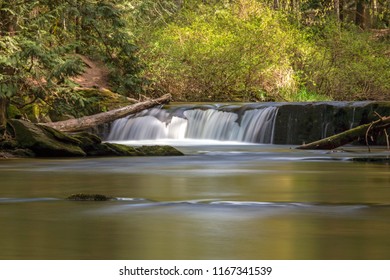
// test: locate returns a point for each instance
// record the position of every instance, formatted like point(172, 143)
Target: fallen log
point(105, 117)
point(348, 136)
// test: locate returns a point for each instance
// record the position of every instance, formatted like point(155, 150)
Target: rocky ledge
point(32, 140)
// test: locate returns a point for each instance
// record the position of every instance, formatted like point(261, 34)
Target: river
point(222, 200)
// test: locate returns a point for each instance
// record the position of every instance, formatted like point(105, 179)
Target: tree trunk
point(276, 4)
point(337, 8)
point(101, 118)
point(341, 10)
point(360, 13)
point(3, 112)
point(348, 136)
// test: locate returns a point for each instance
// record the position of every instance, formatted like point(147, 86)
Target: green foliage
point(230, 52)
point(39, 45)
point(246, 51)
point(242, 50)
point(349, 64)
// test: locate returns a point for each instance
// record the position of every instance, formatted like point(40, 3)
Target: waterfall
point(241, 124)
point(269, 123)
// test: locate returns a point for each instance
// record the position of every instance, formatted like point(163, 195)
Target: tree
point(39, 42)
point(360, 17)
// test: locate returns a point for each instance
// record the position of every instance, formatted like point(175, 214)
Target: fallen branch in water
point(343, 138)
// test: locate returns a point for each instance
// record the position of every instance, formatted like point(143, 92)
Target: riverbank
point(33, 140)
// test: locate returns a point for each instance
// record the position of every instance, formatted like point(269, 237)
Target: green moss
point(13, 112)
point(42, 142)
point(159, 151)
point(123, 150)
point(51, 132)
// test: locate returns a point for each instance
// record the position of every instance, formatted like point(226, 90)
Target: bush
point(245, 51)
point(227, 53)
point(349, 64)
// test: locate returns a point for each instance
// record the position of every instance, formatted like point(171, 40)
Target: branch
point(348, 136)
point(105, 117)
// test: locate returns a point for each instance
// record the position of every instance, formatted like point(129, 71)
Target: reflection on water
point(217, 202)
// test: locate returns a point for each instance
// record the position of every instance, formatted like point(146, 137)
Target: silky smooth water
point(219, 201)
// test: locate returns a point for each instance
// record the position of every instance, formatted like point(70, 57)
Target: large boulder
point(45, 141)
point(93, 146)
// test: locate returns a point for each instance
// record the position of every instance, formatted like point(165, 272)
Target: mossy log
point(348, 136)
point(105, 117)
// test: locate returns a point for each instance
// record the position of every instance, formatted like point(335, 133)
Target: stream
point(222, 200)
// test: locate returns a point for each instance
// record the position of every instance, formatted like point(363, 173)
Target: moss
point(88, 142)
point(51, 132)
point(89, 197)
point(44, 142)
point(159, 151)
point(123, 150)
point(39, 140)
point(109, 149)
point(13, 112)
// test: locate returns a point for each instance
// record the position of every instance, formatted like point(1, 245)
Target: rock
point(378, 159)
point(92, 145)
point(89, 197)
point(44, 141)
point(298, 123)
point(109, 149)
point(159, 151)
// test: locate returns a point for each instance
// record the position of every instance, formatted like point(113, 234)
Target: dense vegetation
point(227, 50)
point(265, 50)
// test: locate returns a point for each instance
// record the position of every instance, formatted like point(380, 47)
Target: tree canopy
point(230, 50)
point(40, 42)
point(266, 50)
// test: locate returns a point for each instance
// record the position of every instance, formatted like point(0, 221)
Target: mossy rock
point(162, 150)
point(109, 149)
point(8, 145)
point(44, 141)
point(58, 135)
point(89, 197)
point(88, 141)
point(92, 145)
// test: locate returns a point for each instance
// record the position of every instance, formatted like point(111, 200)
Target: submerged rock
point(89, 197)
point(374, 159)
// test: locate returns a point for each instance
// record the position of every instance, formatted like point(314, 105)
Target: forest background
point(204, 50)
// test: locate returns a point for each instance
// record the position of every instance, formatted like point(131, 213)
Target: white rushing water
point(253, 125)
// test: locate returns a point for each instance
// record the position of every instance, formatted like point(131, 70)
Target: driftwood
point(348, 136)
point(105, 117)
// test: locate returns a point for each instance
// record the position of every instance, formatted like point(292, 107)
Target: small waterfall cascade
point(226, 123)
point(268, 123)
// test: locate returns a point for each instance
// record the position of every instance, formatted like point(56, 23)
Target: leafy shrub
point(245, 51)
point(234, 52)
point(349, 64)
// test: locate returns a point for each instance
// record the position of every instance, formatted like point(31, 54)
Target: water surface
point(229, 201)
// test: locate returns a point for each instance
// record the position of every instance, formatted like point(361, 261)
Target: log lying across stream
point(348, 136)
point(105, 117)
